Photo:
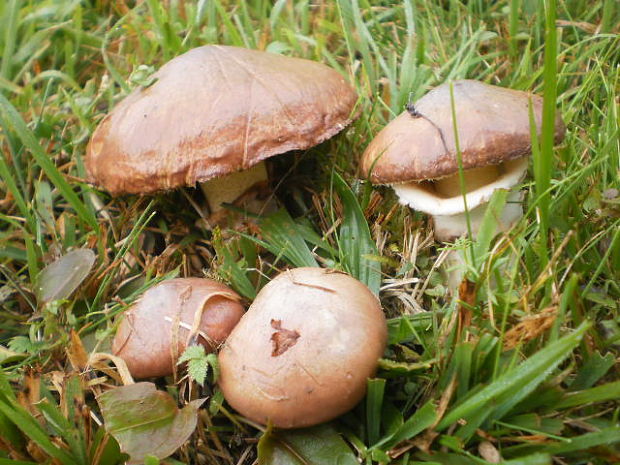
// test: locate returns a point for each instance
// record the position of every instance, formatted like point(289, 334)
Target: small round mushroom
point(217, 112)
point(302, 353)
point(157, 328)
point(416, 153)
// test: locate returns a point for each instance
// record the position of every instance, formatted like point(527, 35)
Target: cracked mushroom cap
point(168, 312)
point(213, 111)
point(302, 353)
point(493, 126)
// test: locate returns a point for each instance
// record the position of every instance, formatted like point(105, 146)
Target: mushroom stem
point(229, 188)
point(449, 227)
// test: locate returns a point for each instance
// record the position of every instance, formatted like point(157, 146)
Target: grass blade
point(356, 245)
point(610, 391)
point(374, 402)
point(543, 361)
point(283, 237)
point(11, 115)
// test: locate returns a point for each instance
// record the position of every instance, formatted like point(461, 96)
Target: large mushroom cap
point(212, 111)
point(302, 353)
point(493, 127)
point(166, 313)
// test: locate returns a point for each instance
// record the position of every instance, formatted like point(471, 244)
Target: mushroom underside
point(442, 198)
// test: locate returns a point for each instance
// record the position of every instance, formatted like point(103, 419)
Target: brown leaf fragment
point(529, 328)
point(283, 339)
point(467, 296)
point(77, 353)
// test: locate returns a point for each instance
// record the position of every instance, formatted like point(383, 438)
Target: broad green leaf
point(60, 278)
point(523, 376)
point(320, 445)
point(356, 245)
point(146, 421)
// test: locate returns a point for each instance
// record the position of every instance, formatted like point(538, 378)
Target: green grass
point(445, 390)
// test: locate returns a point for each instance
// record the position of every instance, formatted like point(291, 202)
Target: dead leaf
point(76, 352)
point(60, 278)
point(529, 328)
point(146, 421)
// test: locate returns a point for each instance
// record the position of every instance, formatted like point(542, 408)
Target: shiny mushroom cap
point(213, 111)
point(416, 153)
point(493, 126)
point(302, 353)
point(172, 311)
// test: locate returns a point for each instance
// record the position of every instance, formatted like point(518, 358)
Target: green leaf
point(60, 278)
point(151, 460)
point(534, 459)
point(356, 245)
point(422, 419)
point(198, 362)
point(374, 401)
point(592, 370)
point(230, 269)
point(146, 421)
point(529, 373)
point(33, 430)
point(610, 391)
point(586, 441)
point(9, 356)
point(320, 445)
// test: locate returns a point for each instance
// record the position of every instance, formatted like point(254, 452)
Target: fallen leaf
point(60, 278)
point(320, 445)
point(146, 421)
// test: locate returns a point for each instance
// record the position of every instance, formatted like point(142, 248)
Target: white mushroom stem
point(449, 227)
point(443, 200)
point(229, 188)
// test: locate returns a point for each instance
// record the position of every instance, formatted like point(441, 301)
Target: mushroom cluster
point(213, 115)
point(302, 353)
point(416, 153)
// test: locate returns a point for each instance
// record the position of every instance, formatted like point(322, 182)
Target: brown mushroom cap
point(302, 353)
point(165, 313)
point(493, 126)
point(212, 111)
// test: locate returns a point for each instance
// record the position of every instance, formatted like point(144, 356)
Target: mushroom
point(157, 328)
point(302, 353)
point(213, 115)
point(416, 153)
